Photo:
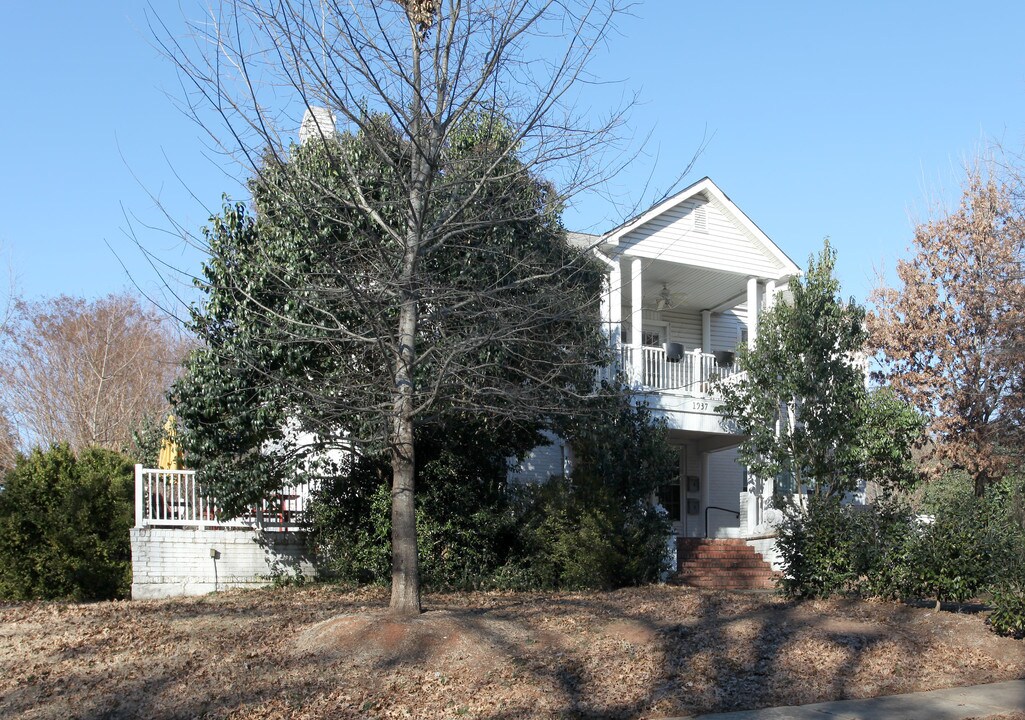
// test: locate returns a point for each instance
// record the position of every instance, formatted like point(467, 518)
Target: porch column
point(706, 331)
point(752, 312)
point(138, 496)
point(636, 303)
point(636, 355)
point(615, 305)
point(770, 294)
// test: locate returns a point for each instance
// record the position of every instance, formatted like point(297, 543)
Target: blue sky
point(825, 119)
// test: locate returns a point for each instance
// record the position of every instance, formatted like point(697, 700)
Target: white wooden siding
point(685, 327)
point(541, 463)
point(726, 245)
point(726, 328)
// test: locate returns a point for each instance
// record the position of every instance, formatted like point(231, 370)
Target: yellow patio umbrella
point(170, 454)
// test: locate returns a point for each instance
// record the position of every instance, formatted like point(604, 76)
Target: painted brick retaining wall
point(766, 547)
point(181, 561)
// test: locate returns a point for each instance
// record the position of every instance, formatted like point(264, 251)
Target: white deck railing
point(173, 498)
point(694, 373)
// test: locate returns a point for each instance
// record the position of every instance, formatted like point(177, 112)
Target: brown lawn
point(323, 652)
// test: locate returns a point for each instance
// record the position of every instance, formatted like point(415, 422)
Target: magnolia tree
point(949, 333)
point(803, 402)
point(412, 264)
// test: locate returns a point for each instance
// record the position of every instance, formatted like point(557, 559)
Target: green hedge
point(829, 548)
point(963, 548)
point(64, 526)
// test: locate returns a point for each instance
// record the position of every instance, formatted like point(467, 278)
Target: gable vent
point(701, 218)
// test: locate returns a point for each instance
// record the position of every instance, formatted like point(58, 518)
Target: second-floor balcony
point(669, 370)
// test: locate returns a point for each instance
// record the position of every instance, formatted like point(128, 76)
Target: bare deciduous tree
point(8, 435)
point(408, 79)
point(87, 373)
point(950, 333)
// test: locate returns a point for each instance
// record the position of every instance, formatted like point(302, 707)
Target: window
point(651, 338)
point(785, 484)
point(669, 497)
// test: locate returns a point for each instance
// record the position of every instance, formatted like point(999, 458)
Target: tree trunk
point(405, 573)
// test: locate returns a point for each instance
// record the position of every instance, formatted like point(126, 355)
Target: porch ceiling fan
point(666, 300)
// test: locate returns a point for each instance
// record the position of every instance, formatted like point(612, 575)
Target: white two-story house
point(686, 282)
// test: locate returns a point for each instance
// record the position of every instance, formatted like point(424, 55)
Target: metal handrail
point(716, 507)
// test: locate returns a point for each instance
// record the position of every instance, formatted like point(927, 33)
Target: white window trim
point(661, 325)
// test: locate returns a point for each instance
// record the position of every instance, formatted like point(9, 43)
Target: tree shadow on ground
point(631, 653)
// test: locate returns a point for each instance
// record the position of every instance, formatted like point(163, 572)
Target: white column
point(752, 312)
point(615, 306)
point(138, 496)
point(770, 294)
point(706, 331)
point(636, 321)
point(606, 307)
point(636, 303)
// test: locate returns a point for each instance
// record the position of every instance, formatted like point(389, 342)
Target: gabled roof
point(716, 196)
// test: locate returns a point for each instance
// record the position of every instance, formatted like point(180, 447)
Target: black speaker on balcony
point(674, 352)
point(723, 358)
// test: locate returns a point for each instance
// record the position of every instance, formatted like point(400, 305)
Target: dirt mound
point(633, 632)
point(377, 638)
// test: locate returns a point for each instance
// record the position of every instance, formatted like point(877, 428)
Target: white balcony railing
point(173, 498)
point(694, 373)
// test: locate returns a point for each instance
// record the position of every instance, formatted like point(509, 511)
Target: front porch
point(713, 496)
point(668, 369)
point(183, 545)
point(686, 283)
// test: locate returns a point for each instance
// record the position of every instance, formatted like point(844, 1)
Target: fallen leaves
point(321, 652)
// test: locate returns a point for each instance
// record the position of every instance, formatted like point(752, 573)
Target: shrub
point(596, 529)
point(463, 515)
point(972, 545)
point(1008, 616)
point(951, 558)
point(816, 548)
point(569, 536)
point(969, 545)
point(64, 526)
point(829, 548)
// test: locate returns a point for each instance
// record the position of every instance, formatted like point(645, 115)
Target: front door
point(674, 496)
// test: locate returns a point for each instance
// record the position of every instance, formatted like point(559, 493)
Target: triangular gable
point(701, 226)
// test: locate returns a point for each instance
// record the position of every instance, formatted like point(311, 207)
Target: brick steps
point(721, 564)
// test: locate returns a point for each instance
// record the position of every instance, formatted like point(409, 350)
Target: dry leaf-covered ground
point(322, 652)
